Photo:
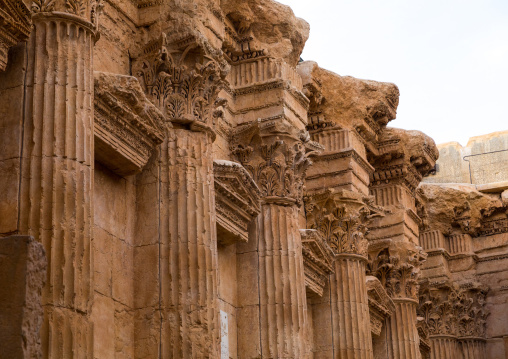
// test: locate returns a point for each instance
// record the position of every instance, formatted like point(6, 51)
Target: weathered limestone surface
point(23, 268)
point(482, 161)
point(200, 192)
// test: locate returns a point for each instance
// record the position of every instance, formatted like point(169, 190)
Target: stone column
point(281, 282)
point(276, 158)
point(444, 347)
point(472, 323)
point(189, 255)
point(455, 319)
point(402, 332)
point(339, 217)
point(397, 266)
point(473, 348)
point(184, 84)
point(57, 169)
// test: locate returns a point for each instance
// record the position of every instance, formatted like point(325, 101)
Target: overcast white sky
point(449, 58)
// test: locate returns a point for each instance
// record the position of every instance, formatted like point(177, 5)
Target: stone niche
point(317, 261)
point(237, 201)
point(381, 305)
point(127, 125)
point(15, 26)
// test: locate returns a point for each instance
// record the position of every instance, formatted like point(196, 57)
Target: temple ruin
point(175, 182)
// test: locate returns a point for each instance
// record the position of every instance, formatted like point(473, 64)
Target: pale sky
point(449, 58)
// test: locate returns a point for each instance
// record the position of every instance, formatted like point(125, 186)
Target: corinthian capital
point(341, 218)
point(183, 80)
point(397, 266)
point(277, 157)
point(448, 309)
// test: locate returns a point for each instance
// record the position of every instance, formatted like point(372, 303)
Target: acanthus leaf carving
point(397, 266)
point(449, 309)
point(183, 81)
point(277, 158)
point(341, 218)
point(86, 9)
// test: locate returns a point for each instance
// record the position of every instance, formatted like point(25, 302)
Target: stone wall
point(483, 160)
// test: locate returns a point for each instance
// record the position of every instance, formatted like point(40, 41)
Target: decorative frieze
point(494, 226)
point(237, 201)
point(127, 125)
point(15, 26)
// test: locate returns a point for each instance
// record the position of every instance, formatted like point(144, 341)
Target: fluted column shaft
point(444, 347)
point(281, 283)
point(350, 308)
point(402, 333)
point(189, 247)
point(57, 180)
point(473, 348)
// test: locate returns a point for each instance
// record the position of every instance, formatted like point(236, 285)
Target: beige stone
point(201, 193)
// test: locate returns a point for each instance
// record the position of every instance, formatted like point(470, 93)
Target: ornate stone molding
point(15, 25)
point(277, 157)
point(183, 80)
point(239, 43)
point(87, 10)
point(317, 260)
point(397, 266)
point(381, 305)
point(237, 201)
point(402, 158)
point(494, 226)
point(451, 310)
point(340, 217)
point(127, 125)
